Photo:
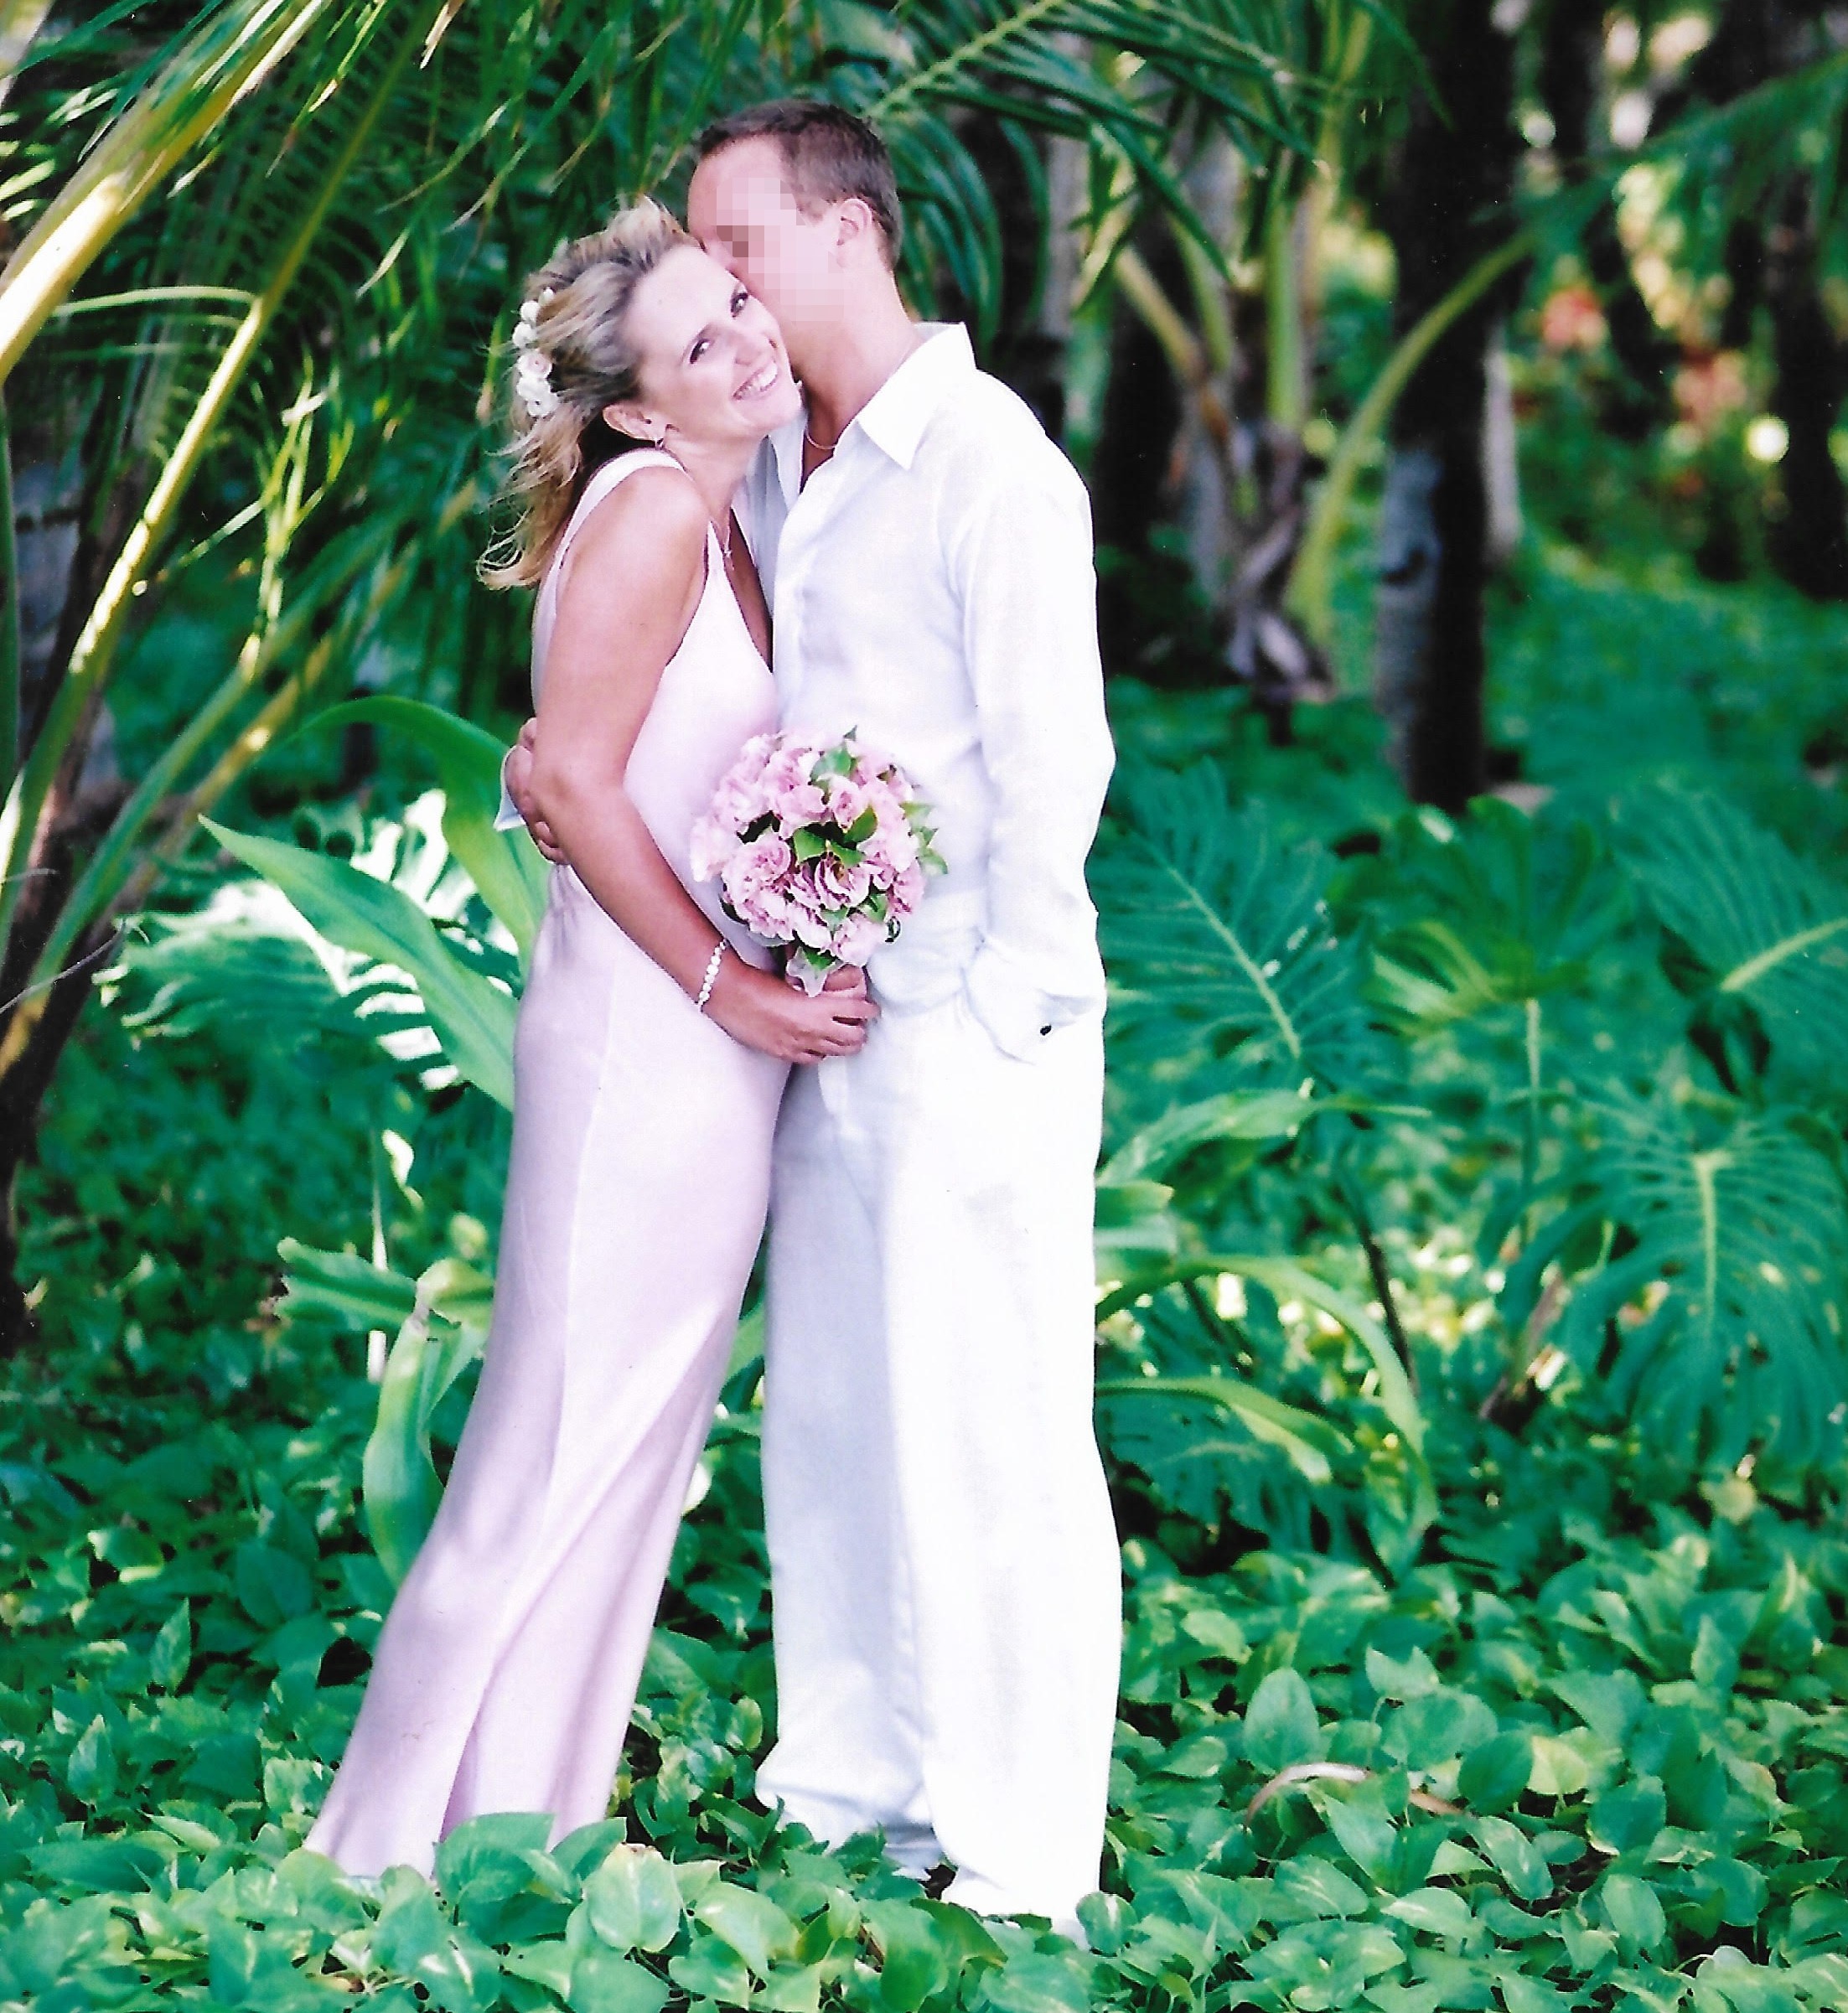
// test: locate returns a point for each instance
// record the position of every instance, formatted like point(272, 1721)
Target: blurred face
point(712, 363)
point(740, 208)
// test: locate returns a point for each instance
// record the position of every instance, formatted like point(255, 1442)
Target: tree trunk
point(1569, 83)
point(1779, 263)
point(1457, 165)
point(1809, 546)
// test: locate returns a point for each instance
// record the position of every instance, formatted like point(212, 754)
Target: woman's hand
point(516, 773)
point(768, 1013)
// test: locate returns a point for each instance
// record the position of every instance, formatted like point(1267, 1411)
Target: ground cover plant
point(1459, 393)
point(1421, 1708)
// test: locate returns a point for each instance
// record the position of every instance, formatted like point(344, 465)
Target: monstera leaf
point(1728, 1290)
point(1764, 927)
point(1486, 912)
point(1222, 963)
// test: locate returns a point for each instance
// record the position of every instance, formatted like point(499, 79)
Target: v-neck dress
point(506, 1670)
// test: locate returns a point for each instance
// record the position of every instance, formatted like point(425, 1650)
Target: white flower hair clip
point(532, 374)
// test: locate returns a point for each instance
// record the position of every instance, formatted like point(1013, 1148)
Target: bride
point(648, 1061)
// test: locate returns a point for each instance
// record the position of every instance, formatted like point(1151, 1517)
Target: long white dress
point(505, 1673)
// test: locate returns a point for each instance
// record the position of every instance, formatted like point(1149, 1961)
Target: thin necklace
point(725, 543)
point(816, 444)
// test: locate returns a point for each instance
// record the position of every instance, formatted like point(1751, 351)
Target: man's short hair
point(828, 155)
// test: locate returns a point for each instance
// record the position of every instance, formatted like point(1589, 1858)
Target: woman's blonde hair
point(582, 331)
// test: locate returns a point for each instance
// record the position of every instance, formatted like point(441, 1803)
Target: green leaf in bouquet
point(806, 843)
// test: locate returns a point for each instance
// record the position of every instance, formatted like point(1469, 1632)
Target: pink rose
point(842, 883)
point(907, 891)
point(756, 870)
point(848, 802)
point(857, 938)
point(715, 840)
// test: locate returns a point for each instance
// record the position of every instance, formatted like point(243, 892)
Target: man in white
point(945, 1573)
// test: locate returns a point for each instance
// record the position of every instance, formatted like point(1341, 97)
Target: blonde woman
point(650, 1061)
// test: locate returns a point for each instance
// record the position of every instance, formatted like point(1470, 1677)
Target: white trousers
point(944, 1565)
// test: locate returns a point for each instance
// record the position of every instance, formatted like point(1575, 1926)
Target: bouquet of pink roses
point(820, 848)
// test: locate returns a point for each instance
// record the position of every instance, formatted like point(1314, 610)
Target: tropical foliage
point(1472, 1216)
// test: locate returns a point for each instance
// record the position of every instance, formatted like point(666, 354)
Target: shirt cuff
point(1017, 1014)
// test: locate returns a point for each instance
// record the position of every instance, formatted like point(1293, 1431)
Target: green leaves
point(473, 1018)
point(445, 1331)
point(1222, 958)
point(632, 1900)
point(505, 866)
point(1280, 1728)
point(1765, 927)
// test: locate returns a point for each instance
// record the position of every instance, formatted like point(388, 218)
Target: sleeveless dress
point(505, 1673)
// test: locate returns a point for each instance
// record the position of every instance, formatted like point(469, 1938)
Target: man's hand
point(517, 774)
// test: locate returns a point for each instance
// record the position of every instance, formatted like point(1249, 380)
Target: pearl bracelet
point(711, 974)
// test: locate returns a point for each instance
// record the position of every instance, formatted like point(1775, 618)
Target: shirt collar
point(894, 418)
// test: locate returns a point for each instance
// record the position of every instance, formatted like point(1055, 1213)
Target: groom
point(945, 1571)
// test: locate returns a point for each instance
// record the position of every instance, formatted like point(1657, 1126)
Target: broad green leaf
point(1413, 1678)
point(1516, 1858)
point(633, 1899)
point(1634, 1910)
point(1232, 1114)
point(602, 1982)
point(1280, 1726)
point(1437, 1911)
point(271, 1585)
point(1493, 1775)
point(754, 1927)
point(1626, 1821)
point(1435, 1728)
point(473, 1018)
point(360, 1295)
point(917, 1960)
point(90, 1773)
point(1309, 1441)
point(171, 1655)
point(506, 867)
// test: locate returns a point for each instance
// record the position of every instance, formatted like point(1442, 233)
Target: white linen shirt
point(932, 586)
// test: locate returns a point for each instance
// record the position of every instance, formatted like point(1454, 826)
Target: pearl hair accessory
point(532, 374)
